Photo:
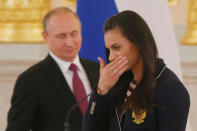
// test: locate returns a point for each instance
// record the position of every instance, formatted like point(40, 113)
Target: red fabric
point(79, 90)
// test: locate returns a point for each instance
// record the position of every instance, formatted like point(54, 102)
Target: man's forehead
point(64, 22)
point(63, 19)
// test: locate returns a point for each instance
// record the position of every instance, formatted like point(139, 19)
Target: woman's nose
point(112, 56)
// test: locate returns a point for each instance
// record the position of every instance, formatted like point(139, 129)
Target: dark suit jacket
point(41, 98)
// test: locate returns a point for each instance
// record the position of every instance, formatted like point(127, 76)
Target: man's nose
point(68, 41)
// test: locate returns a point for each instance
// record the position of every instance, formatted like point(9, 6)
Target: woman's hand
point(110, 73)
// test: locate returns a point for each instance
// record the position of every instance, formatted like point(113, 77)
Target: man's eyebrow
point(60, 34)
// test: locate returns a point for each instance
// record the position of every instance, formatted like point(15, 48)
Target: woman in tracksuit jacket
point(136, 91)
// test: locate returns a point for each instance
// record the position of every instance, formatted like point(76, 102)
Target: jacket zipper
point(118, 119)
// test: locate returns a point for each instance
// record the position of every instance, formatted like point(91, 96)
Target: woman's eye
point(117, 47)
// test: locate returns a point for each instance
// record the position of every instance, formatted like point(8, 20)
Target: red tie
point(79, 89)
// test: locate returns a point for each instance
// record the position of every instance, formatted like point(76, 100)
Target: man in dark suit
point(45, 92)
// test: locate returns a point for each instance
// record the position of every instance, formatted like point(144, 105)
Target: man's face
point(63, 35)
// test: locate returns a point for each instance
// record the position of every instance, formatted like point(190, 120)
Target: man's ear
point(44, 35)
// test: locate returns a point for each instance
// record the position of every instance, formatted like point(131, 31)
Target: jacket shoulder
point(89, 62)
point(90, 66)
point(170, 90)
point(34, 70)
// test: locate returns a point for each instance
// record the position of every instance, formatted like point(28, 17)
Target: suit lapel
point(56, 78)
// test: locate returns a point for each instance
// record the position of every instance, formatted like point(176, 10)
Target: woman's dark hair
point(135, 29)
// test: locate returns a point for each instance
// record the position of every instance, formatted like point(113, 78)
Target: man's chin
point(69, 58)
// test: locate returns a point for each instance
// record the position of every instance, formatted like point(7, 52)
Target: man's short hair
point(54, 12)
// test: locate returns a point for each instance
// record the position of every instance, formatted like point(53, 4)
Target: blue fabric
point(93, 14)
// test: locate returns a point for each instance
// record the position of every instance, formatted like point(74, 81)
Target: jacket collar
point(160, 66)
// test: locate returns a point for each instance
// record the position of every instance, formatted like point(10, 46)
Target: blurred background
point(21, 44)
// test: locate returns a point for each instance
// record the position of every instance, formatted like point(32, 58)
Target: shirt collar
point(64, 65)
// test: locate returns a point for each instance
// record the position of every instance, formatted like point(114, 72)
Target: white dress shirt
point(68, 74)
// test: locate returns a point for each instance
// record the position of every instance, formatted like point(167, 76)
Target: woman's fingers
point(122, 68)
point(109, 74)
point(102, 63)
point(117, 64)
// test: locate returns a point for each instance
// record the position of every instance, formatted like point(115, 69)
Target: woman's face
point(119, 45)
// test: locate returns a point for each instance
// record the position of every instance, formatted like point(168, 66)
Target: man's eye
point(74, 33)
point(60, 36)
